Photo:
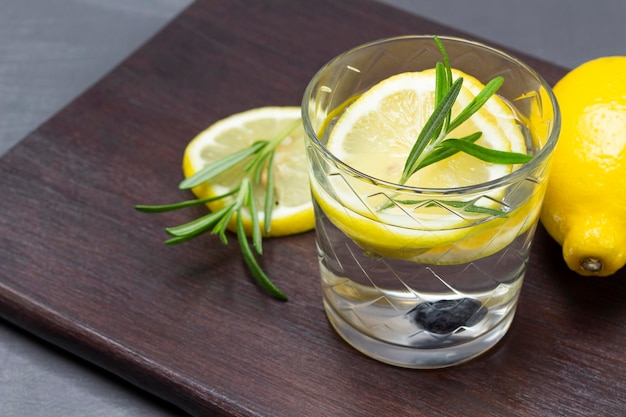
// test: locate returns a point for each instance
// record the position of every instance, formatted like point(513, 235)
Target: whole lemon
point(585, 204)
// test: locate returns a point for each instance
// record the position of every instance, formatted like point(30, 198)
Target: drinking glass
point(453, 294)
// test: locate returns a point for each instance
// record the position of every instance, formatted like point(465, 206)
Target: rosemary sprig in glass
point(257, 160)
point(432, 146)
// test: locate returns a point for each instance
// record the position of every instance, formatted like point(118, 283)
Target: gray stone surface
point(565, 32)
point(52, 50)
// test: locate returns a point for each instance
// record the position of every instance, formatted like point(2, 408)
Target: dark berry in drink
point(446, 316)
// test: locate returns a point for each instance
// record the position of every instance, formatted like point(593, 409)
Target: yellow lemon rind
point(285, 220)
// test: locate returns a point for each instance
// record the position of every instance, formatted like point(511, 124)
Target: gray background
point(52, 50)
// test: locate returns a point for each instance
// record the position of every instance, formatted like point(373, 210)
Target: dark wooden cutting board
point(83, 270)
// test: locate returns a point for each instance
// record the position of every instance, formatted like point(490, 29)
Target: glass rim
point(507, 179)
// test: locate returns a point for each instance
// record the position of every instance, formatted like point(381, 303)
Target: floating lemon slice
point(293, 210)
point(375, 135)
point(387, 119)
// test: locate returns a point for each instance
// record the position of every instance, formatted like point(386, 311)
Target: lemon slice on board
point(293, 210)
point(375, 135)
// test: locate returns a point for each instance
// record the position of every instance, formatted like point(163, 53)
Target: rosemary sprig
point(257, 160)
point(432, 146)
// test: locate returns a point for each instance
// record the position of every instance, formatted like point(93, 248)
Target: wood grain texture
point(82, 269)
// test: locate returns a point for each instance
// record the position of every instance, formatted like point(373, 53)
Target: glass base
point(414, 357)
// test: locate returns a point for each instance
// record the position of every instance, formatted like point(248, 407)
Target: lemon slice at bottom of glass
point(375, 134)
point(293, 211)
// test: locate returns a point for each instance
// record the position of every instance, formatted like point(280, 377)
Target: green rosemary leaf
point(256, 227)
point(178, 239)
point(441, 90)
point(478, 101)
point(183, 204)
point(199, 225)
point(212, 170)
point(439, 154)
point(446, 61)
point(268, 207)
point(256, 270)
point(486, 210)
point(471, 207)
point(433, 125)
point(441, 83)
point(256, 163)
point(222, 226)
point(485, 154)
point(259, 166)
point(446, 80)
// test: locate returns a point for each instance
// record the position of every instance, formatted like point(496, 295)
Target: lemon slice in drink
point(293, 211)
point(387, 119)
point(375, 135)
